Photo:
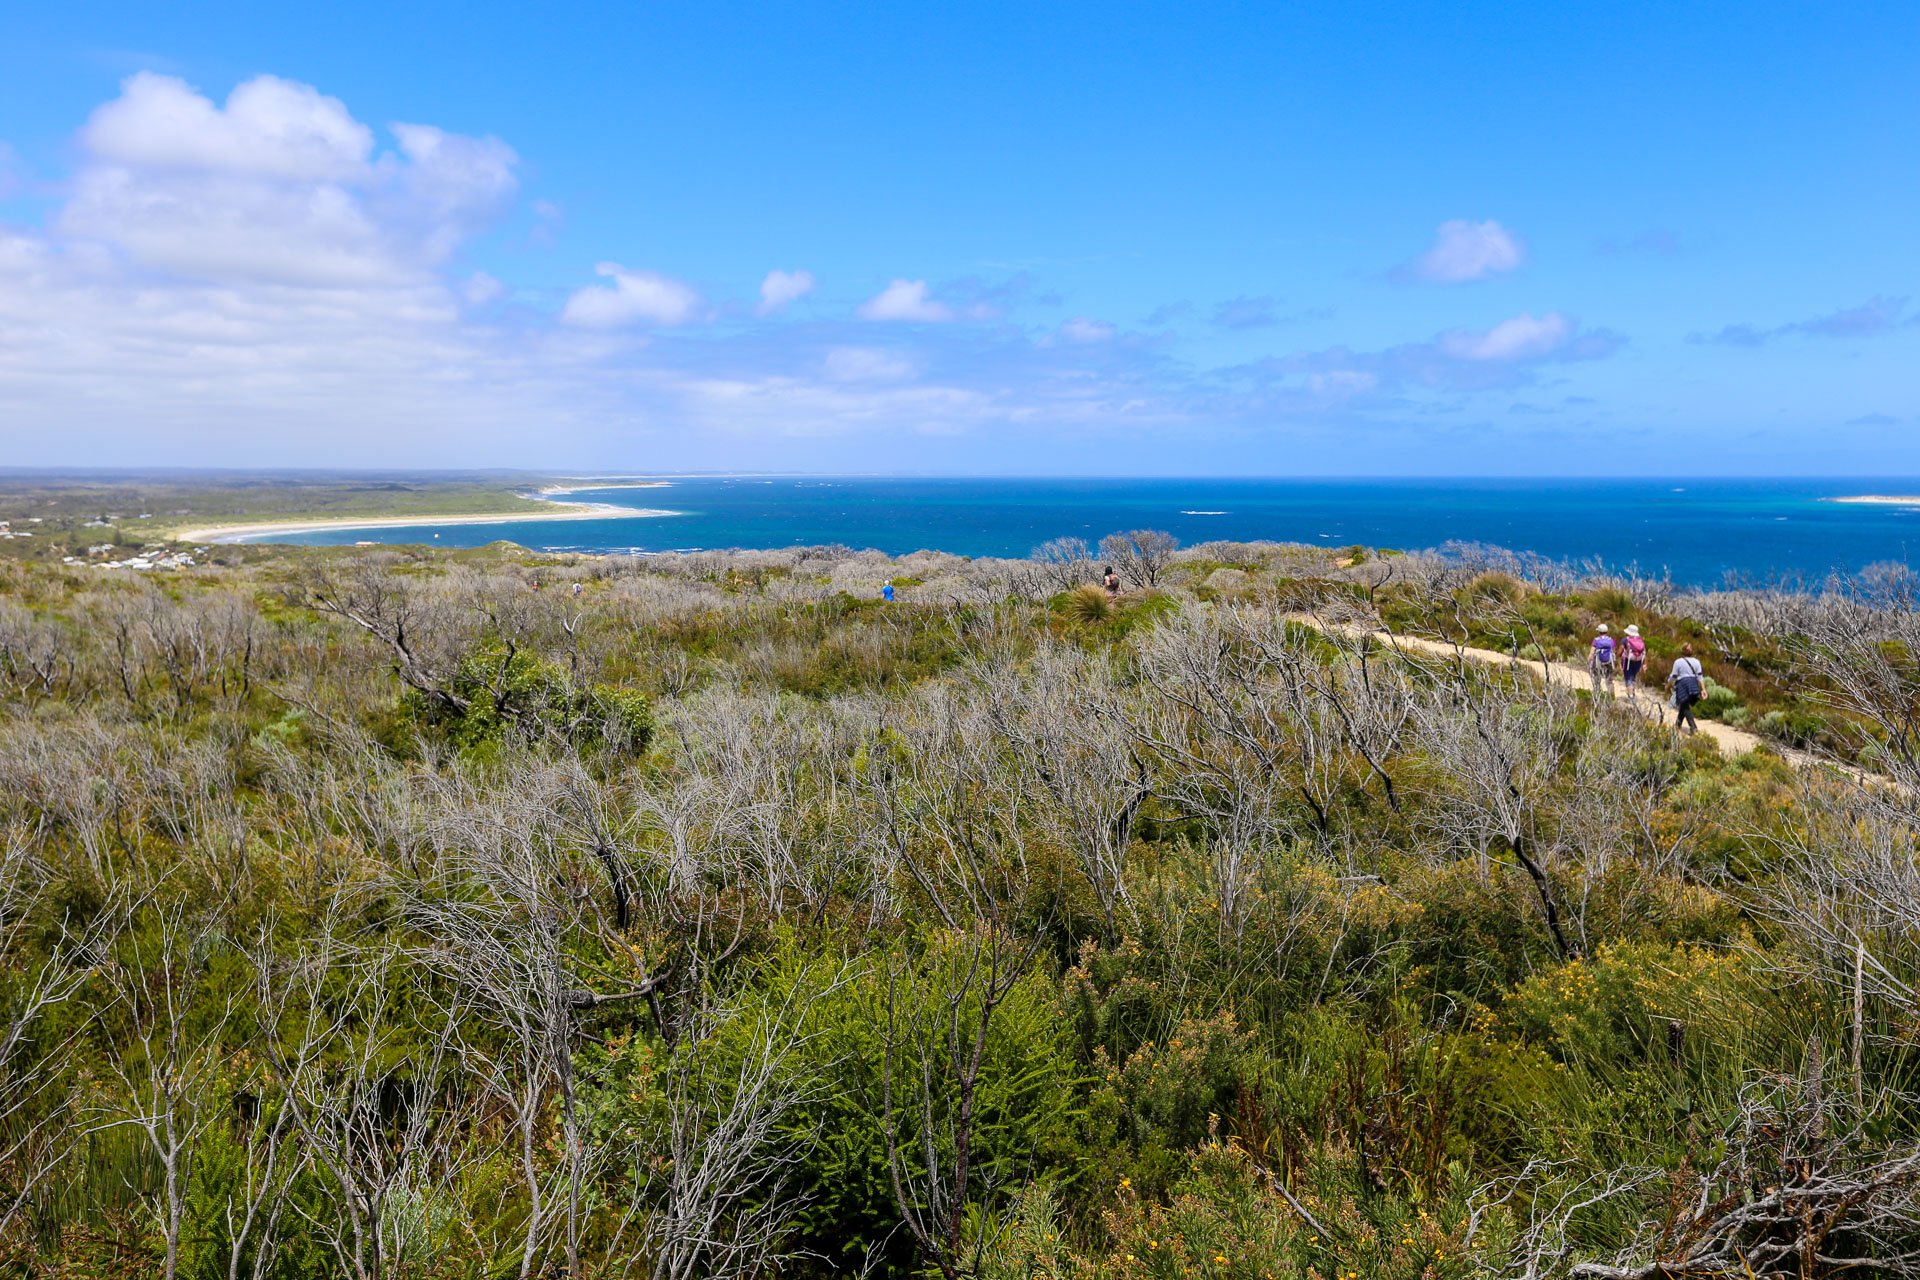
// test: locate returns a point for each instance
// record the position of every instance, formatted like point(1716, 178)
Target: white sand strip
point(562, 511)
point(1880, 499)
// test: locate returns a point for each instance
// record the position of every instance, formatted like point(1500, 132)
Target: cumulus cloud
point(269, 128)
point(1464, 251)
point(265, 279)
point(905, 300)
point(783, 287)
point(279, 184)
point(635, 297)
point(1524, 337)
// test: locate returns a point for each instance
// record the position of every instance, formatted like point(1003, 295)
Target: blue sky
point(1312, 239)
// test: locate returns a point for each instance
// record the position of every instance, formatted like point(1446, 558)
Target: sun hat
point(1632, 629)
point(1603, 628)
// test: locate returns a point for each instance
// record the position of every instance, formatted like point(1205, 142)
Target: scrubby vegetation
point(403, 914)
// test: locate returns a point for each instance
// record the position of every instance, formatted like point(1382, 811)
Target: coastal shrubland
point(401, 913)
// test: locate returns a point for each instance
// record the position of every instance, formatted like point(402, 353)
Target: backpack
point(1636, 648)
point(1604, 651)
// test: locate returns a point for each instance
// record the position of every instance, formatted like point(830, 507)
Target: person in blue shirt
point(1600, 661)
point(886, 593)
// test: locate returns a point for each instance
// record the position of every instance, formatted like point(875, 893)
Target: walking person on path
point(1112, 583)
point(1689, 682)
point(1600, 661)
point(1633, 660)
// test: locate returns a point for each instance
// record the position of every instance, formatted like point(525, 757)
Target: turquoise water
point(1697, 531)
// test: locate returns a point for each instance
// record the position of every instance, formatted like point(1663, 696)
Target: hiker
point(1112, 582)
point(576, 591)
point(886, 593)
point(1633, 659)
point(1600, 661)
point(1689, 682)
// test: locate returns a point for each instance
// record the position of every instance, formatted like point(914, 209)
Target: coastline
point(227, 533)
point(1879, 499)
point(546, 491)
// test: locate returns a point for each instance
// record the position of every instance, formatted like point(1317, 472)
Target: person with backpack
point(1633, 660)
point(1689, 682)
point(1112, 583)
point(1600, 661)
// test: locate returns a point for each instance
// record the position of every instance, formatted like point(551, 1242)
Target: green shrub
point(1027, 1111)
point(1716, 700)
point(538, 699)
point(1088, 604)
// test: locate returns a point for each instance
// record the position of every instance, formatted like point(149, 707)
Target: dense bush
point(406, 914)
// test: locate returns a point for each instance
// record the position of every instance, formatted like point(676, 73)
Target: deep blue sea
point(1698, 531)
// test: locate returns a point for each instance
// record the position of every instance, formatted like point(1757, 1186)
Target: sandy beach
point(548, 490)
point(562, 511)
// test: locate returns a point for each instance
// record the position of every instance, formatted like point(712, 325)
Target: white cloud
point(867, 364)
point(1084, 330)
point(1524, 337)
point(905, 300)
point(269, 128)
point(266, 281)
point(278, 185)
point(1464, 251)
point(783, 287)
point(636, 296)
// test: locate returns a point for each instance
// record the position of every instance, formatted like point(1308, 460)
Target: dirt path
point(1650, 701)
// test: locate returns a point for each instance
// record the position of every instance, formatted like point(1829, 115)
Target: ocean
point(1699, 532)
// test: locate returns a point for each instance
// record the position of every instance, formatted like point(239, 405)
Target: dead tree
point(1498, 740)
point(411, 624)
point(35, 1117)
point(953, 821)
point(1796, 1187)
point(164, 1048)
point(379, 1126)
point(1140, 555)
point(1060, 720)
point(1062, 564)
point(737, 1089)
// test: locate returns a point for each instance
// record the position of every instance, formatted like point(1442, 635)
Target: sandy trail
point(1650, 701)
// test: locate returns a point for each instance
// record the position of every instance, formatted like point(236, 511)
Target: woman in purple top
point(1600, 661)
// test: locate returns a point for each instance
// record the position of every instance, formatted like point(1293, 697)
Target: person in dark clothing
point(1689, 683)
point(1112, 582)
